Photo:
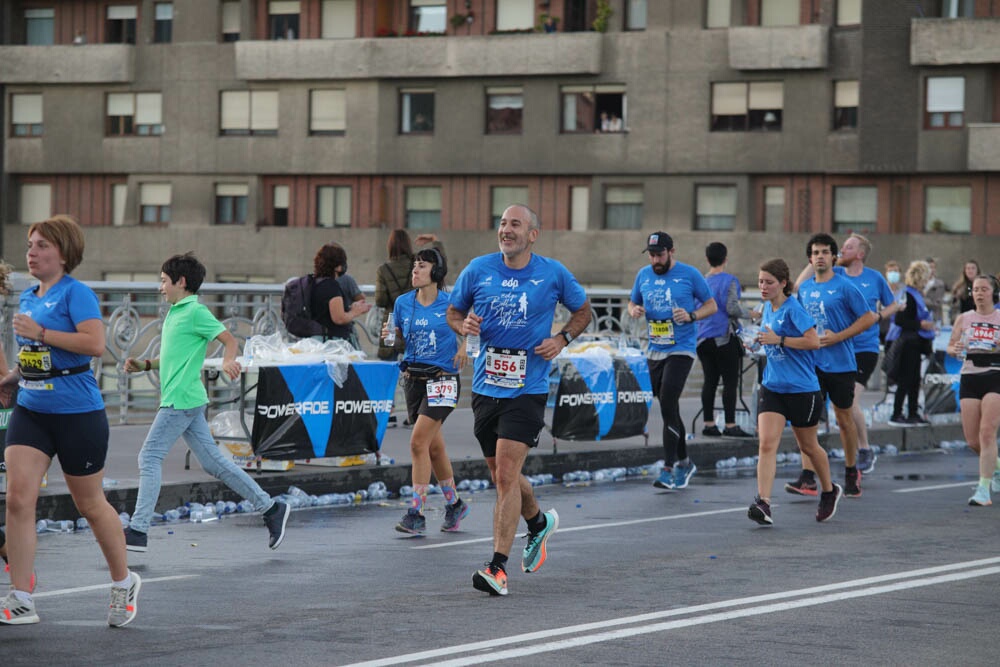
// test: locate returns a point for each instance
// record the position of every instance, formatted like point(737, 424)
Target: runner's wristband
point(149, 365)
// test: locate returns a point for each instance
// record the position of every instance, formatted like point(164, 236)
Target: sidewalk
point(556, 458)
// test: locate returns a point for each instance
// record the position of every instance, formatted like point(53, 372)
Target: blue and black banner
point(601, 398)
point(301, 412)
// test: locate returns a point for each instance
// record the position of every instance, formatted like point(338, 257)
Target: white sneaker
point(15, 611)
point(123, 602)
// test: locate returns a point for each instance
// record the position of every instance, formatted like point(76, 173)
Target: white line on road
point(576, 642)
point(652, 616)
point(969, 484)
point(100, 587)
point(594, 526)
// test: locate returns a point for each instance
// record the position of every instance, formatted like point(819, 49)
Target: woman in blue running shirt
point(789, 391)
point(431, 364)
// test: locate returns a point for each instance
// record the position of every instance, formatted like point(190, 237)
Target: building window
point(119, 196)
point(717, 13)
point(779, 12)
point(120, 26)
point(163, 27)
point(504, 110)
point(945, 102)
point(848, 12)
point(416, 112)
point(327, 112)
point(36, 202)
point(738, 107)
point(579, 208)
point(231, 203)
point(147, 304)
point(588, 109)
point(623, 207)
point(423, 208)
point(333, 206)
point(231, 21)
point(249, 112)
point(26, 115)
point(845, 105)
point(134, 114)
point(39, 26)
point(283, 19)
point(855, 209)
point(515, 14)
point(774, 208)
point(635, 15)
point(428, 15)
point(503, 196)
point(154, 203)
point(948, 209)
point(279, 206)
point(958, 9)
point(715, 207)
point(339, 19)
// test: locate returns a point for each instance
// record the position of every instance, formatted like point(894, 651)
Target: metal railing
point(133, 313)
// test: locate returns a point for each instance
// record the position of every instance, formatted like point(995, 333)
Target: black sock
point(536, 523)
point(808, 475)
point(850, 469)
point(499, 561)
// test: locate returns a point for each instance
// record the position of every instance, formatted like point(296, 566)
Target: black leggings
point(668, 377)
point(719, 362)
point(908, 377)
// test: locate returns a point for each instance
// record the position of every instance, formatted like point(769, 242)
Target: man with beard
point(877, 292)
point(665, 293)
point(512, 296)
point(841, 313)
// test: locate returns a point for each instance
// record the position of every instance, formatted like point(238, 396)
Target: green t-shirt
point(187, 330)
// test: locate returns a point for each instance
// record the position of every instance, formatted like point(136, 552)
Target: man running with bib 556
point(513, 295)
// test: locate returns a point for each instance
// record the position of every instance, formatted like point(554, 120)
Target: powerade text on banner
point(516, 306)
point(601, 397)
point(301, 412)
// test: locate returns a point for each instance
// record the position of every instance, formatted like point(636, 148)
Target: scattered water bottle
point(124, 517)
point(52, 526)
point(171, 515)
point(390, 329)
point(472, 345)
point(81, 524)
point(244, 507)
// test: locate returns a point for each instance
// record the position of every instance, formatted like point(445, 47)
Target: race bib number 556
point(506, 368)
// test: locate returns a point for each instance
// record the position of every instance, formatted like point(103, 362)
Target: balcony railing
point(784, 47)
point(954, 41)
point(93, 63)
point(417, 57)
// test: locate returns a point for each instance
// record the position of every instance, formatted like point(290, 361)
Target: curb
point(704, 452)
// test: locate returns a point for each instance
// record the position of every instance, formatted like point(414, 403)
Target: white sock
point(124, 583)
point(21, 595)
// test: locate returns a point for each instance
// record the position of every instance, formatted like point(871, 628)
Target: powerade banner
point(318, 410)
point(601, 397)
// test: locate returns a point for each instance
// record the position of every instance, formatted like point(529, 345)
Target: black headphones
point(440, 269)
point(996, 289)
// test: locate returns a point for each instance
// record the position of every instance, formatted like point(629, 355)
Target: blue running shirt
point(429, 339)
point(875, 288)
point(681, 287)
point(67, 303)
point(517, 307)
point(789, 371)
point(835, 305)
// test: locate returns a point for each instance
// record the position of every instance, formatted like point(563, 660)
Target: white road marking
point(105, 586)
point(970, 484)
point(920, 577)
point(594, 526)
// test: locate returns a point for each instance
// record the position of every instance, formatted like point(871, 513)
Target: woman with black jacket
point(912, 331)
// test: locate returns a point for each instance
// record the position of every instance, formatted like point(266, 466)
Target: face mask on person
point(892, 276)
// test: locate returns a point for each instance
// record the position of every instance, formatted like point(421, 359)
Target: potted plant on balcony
point(460, 20)
point(604, 13)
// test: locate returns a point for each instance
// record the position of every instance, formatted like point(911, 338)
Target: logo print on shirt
point(866, 284)
point(831, 291)
point(660, 282)
point(510, 282)
point(438, 314)
point(510, 309)
point(49, 304)
point(536, 282)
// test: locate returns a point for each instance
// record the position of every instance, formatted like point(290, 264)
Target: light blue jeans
point(169, 425)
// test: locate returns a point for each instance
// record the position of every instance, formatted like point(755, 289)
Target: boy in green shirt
point(187, 329)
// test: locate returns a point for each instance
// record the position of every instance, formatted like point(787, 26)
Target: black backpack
point(296, 308)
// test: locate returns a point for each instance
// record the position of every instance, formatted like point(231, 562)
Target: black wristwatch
point(567, 336)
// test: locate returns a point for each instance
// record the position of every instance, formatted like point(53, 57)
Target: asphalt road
point(906, 575)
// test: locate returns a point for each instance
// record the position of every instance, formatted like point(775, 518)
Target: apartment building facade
point(254, 130)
